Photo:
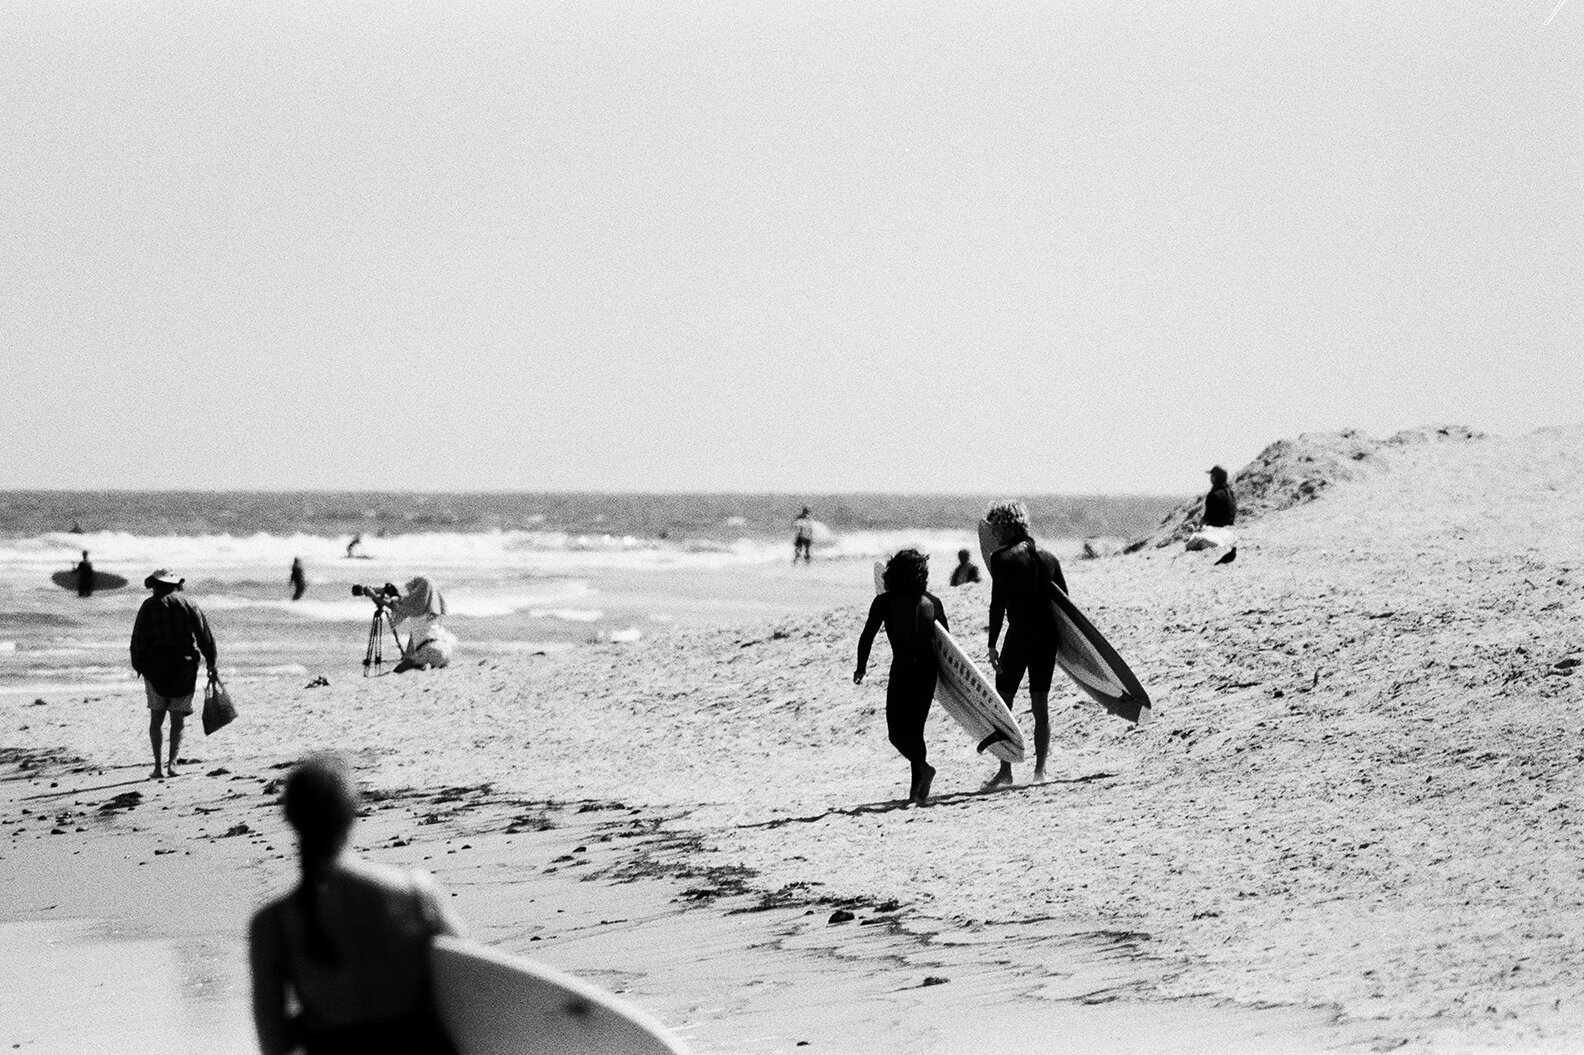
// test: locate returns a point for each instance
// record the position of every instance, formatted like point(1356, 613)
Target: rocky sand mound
point(1295, 471)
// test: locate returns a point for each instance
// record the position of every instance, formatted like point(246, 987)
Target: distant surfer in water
point(803, 537)
point(966, 570)
point(1019, 570)
point(908, 611)
point(355, 545)
point(341, 964)
point(299, 579)
point(169, 635)
point(85, 577)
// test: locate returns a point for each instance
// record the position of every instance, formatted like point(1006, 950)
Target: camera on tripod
point(380, 595)
point(374, 656)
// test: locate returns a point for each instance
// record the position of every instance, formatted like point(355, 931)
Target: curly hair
point(1009, 519)
point(907, 572)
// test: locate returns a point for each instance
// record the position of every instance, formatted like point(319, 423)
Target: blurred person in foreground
point(341, 964)
point(908, 611)
point(168, 636)
point(1019, 572)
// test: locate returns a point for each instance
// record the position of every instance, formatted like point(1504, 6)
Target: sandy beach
point(1352, 823)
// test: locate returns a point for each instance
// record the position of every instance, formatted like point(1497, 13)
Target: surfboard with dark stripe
point(1084, 654)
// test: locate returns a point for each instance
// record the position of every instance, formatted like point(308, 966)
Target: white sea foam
point(394, 556)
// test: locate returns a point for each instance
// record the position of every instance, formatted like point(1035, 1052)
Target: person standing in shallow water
point(803, 537)
point(1220, 505)
point(908, 611)
point(85, 577)
point(341, 964)
point(299, 579)
point(1019, 572)
point(169, 635)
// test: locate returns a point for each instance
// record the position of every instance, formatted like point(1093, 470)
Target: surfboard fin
point(991, 740)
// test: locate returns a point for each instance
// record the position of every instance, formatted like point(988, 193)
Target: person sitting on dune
point(348, 949)
point(908, 611)
point(1220, 504)
point(1018, 570)
point(417, 611)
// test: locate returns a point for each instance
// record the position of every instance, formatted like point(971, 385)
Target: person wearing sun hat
point(168, 637)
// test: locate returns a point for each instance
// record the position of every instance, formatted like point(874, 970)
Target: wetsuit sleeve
point(1056, 574)
point(997, 601)
point(267, 960)
point(871, 628)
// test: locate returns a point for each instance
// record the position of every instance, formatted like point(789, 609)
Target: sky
point(788, 245)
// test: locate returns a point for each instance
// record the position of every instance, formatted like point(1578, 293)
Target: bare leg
point(1003, 776)
point(175, 742)
point(157, 740)
point(1039, 702)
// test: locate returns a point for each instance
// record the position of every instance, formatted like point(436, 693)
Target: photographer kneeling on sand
point(415, 610)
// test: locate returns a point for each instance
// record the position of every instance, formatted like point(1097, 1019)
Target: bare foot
point(170, 769)
point(158, 774)
point(922, 795)
point(1039, 774)
point(1002, 778)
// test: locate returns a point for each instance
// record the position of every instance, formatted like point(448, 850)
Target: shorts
point(173, 704)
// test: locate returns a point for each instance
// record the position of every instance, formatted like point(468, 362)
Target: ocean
point(519, 572)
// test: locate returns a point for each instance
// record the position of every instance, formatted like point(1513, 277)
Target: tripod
point(374, 656)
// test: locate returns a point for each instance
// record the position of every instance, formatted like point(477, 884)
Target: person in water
point(966, 570)
point(299, 579)
point(803, 537)
point(355, 546)
point(168, 636)
point(1019, 574)
point(908, 610)
point(85, 576)
point(1220, 505)
point(341, 964)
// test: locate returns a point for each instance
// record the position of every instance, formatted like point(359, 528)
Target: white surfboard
point(968, 696)
point(495, 1004)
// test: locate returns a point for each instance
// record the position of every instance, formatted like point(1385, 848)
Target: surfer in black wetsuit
point(966, 571)
point(85, 577)
point(907, 609)
point(299, 579)
point(1019, 571)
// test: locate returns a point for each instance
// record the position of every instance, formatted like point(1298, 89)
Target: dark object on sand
point(1229, 556)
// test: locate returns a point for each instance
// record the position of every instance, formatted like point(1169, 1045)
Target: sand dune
point(1360, 792)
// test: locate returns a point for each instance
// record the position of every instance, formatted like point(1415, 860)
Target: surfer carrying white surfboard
point(909, 611)
point(1018, 571)
point(349, 947)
